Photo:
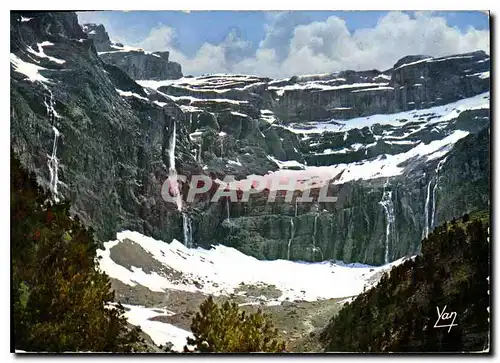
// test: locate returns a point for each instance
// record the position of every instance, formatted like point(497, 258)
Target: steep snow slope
point(430, 116)
point(384, 166)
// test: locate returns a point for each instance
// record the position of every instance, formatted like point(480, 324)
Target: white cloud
point(291, 47)
point(329, 46)
point(279, 31)
point(159, 38)
point(209, 58)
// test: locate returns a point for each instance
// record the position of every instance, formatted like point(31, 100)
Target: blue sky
point(242, 41)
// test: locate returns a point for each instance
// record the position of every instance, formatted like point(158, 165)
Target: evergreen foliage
point(399, 314)
point(60, 302)
point(227, 329)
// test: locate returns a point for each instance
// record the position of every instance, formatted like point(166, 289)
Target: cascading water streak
point(53, 164)
point(51, 112)
point(434, 190)
point(172, 172)
point(187, 230)
point(171, 150)
point(427, 212)
point(292, 235)
point(199, 153)
point(221, 138)
point(388, 206)
point(227, 209)
point(314, 236)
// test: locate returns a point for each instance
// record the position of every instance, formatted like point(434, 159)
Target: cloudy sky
point(282, 44)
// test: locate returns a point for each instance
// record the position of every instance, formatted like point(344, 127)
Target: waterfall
point(314, 235)
point(292, 234)
point(295, 207)
point(53, 162)
point(427, 212)
point(53, 165)
point(199, 152)
point(172, 172)
point(386, 203)
point(187, 230)
point(171, 150)
point(51, 112)
point(436, 177)
point(430, 208)
point(227, 208)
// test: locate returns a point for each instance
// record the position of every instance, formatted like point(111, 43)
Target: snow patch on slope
point(132, 94)
point(220, 270)
point(217, 83)
point(159, 332)
point(41, 54)
point(384, 166)
point(28, 69)
point(323, 87)
point(442, 114)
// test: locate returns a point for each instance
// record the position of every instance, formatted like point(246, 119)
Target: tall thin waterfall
point(386, 203)
point(53, 162)
point(292, 234)
point(295, 207)
point(427, 211)
point(187, 230)
point(171, 150)
point(227, 209)
point(436, 177)
point(199, 152)
point(314, 235)
point(172, 172)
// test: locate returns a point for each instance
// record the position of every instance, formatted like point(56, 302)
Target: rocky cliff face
point(142, 65)
point(415, 82)
point(397, 149)
point(74, 124)
point(99, 36)
point(136, 62)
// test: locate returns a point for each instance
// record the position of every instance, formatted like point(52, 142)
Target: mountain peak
point(99, 35)
point(136, 62)
point(410, 59)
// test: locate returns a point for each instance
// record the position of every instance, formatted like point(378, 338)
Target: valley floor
point(163, 284)
point(159, 314)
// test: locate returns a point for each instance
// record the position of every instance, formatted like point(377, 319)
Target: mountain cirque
point(404, 148)
point(104, 124)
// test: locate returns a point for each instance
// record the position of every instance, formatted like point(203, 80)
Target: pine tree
point(227, 329)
